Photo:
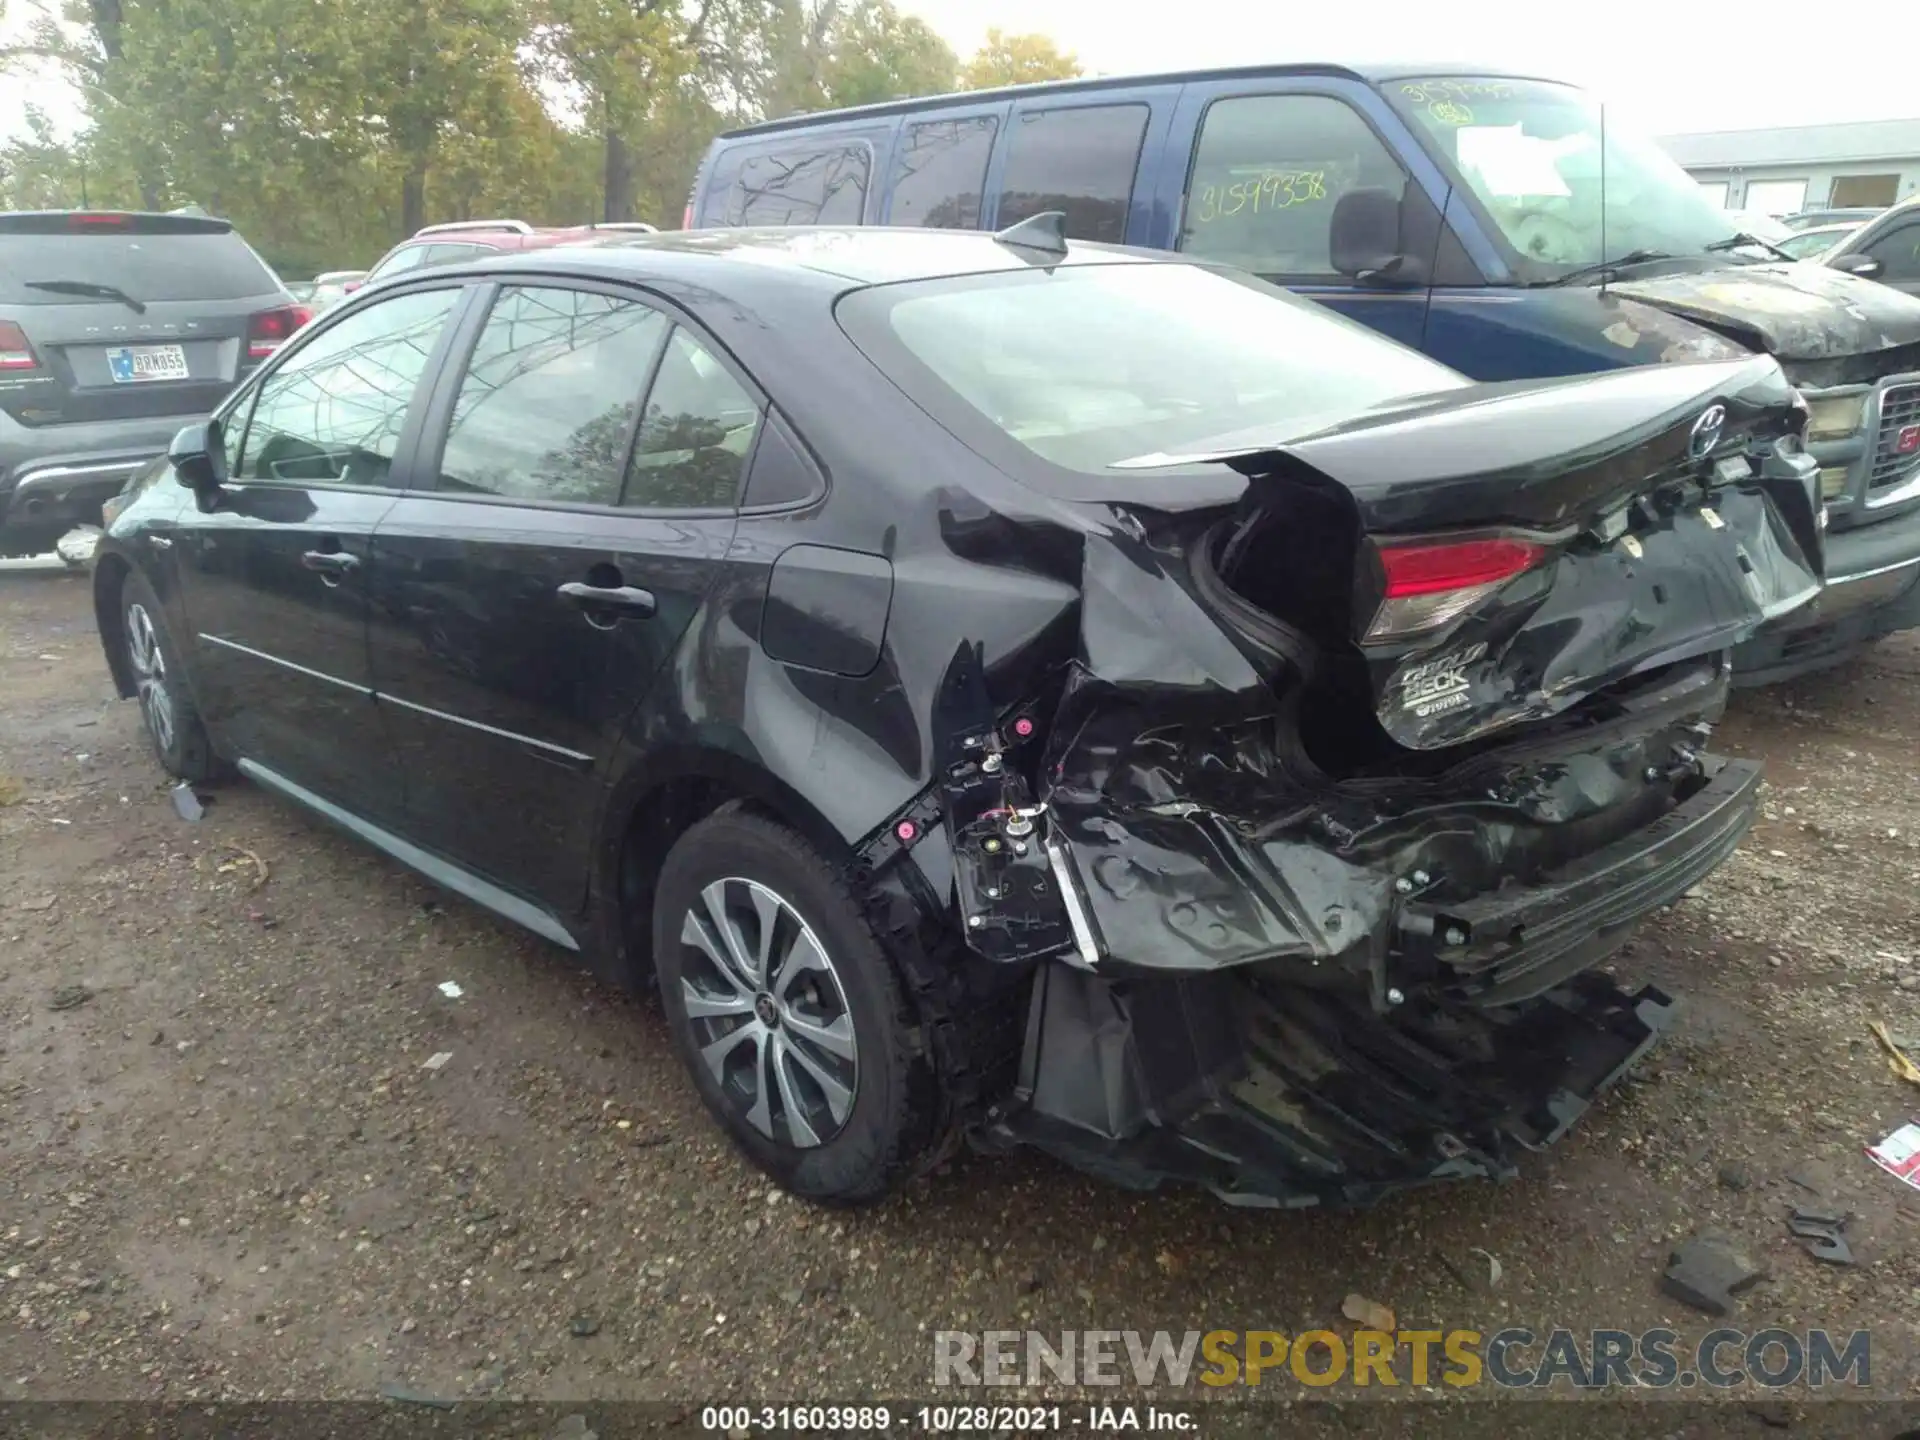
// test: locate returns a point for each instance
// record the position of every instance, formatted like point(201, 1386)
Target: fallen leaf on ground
point(1493, 1265)
point(260, 871)
point(1898, 1060)
point(1367, 1314)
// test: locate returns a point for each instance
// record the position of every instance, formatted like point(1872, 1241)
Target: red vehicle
point(472, 239)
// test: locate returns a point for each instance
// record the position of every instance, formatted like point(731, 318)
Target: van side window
point(811, 186)
point(1266, 175)
point(942, 173)
point(1081, 161)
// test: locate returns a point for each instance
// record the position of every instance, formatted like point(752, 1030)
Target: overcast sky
point(1675, 65)
point(1663, 65)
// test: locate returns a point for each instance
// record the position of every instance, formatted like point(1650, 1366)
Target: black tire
point(173, 725)
point(895, 1116)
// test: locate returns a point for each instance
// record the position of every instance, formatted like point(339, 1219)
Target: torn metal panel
point(1216, 843)
point(1703, 576)
point(1141, 627)
point(1647, 552)
point(1222, 786)
point(1544, 454)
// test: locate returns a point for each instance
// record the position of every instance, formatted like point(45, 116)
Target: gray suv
point(116, 329)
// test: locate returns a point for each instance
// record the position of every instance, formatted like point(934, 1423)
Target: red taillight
point(15, 352)
point(268, 329)
point(98, 222)
point(686, 217)
point(1424, 569)
point(1431, 584)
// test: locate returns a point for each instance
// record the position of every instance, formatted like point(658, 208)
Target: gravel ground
point(229, 1172)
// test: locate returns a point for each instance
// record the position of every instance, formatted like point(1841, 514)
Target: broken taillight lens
point(269, 329)
point(15, 353)
point(1428, 585)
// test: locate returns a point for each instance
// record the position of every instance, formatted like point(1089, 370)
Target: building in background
point(1804, 167)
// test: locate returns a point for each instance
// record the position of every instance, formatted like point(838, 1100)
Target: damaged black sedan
point(1045, 694)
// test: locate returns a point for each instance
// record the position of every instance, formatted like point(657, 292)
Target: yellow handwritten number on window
point(1270, 190)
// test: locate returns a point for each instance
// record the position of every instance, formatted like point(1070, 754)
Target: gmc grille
point(1899, 417)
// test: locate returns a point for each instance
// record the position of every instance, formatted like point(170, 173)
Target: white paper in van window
point(1510, 164)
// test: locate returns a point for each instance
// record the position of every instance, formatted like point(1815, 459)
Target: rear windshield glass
point(1086, 365)
point(149, 268)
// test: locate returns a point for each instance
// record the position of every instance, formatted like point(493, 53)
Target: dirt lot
point(228, 1172)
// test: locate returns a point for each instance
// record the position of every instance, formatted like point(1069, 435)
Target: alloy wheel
point(769, 1015)
point(149, 666)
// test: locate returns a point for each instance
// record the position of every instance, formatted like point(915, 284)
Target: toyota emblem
point(1705, 436)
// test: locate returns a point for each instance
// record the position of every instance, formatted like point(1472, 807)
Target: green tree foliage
point(1018, 60)
point(876, 53)
point(328, 129)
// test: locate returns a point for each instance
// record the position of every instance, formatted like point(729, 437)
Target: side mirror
point(1364, 239)
point(199, 458)
point(1865, 266)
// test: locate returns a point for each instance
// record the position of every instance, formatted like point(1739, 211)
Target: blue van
point(1495, 222)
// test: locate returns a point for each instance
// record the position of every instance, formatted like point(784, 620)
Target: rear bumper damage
point(1285, 1098)
point(1273, 1092)
point(1294, 987)
point(1512, 943)
point(1312, 917)
point(1295, 994)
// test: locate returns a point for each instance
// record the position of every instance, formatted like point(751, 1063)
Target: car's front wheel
point(153, 663)
point(788, 1013)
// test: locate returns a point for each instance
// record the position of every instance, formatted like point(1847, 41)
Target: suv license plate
point(133, 364)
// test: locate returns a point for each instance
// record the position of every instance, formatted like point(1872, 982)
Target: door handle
point(330, 562)
point(624, 599)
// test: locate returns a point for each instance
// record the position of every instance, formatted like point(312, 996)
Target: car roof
point(111, 222)
point(466, 237)
point(1371, 74)
point(836, 257)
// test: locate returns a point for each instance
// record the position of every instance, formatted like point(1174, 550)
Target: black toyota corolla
point(996, 688)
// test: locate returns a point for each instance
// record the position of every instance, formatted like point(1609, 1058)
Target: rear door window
point(696, 435)
point(215, 265)
point(941, 175)
point(546, 410)
point(814, 185)
point(333, 411)
point(1081, 161)
point(1266, 175)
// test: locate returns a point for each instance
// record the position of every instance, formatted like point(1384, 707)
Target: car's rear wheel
point(153, 663)
point(788, 1013)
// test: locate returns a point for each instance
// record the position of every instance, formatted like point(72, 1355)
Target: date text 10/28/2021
point(947, 1419)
